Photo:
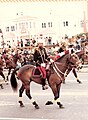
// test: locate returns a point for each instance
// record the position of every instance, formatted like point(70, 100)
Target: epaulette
point(36, 49)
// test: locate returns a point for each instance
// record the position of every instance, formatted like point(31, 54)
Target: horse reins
point(57, 70)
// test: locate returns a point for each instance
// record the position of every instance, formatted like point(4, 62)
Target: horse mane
point(58, 59)
point(80, 53)
point(61, 57)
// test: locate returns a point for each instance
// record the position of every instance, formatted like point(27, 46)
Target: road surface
point(74, 97)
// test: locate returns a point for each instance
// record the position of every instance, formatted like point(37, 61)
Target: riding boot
point(44, 85)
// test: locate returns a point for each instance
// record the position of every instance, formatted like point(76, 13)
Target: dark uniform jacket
point(40, 55)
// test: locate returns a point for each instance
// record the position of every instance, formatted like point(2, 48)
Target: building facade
point(62, 18)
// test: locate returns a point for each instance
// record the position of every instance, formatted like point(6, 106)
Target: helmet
point(40, 41)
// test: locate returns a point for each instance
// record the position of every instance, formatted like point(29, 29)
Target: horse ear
point(72, 51)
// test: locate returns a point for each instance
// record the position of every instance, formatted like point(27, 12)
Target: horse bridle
point(72, 64)
point(57, 70)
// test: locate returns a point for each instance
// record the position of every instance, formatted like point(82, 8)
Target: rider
point(62, 47)
point(40, 57)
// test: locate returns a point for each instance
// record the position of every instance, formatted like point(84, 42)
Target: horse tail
point(13, 80)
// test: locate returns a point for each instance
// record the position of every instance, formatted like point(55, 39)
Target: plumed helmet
point(40, 41)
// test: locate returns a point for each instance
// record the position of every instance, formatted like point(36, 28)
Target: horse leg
point(21, 90)
point(57, 98)
point(1, 73)
point(8, 74)
point(56, 91)
point(66, 73)
point(75, 74)
point(29, 96)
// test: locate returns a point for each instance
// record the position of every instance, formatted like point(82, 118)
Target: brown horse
point(55, 76)
point(11, 62)
point(81, 55)
point(71, 67)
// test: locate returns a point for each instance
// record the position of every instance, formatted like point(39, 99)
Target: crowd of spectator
point(77, 43)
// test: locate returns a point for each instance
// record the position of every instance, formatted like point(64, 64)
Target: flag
point(85, 28)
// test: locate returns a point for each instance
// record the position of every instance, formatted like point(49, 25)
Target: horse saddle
point(36, 73)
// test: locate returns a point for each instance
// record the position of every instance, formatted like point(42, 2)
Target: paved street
point(74, 97)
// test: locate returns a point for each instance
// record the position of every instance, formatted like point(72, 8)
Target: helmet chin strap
point(41, 47)
point(71, 50)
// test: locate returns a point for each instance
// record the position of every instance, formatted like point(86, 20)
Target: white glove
point(43, 64)
point(51, 60)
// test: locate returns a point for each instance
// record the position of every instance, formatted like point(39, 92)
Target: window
point(12, 28)
point(30, 25)
point(65, 23)
point(7, 29)
point(34, 24)
point(21, 25)
point(81, 23)
point(26, 24)
point(49, 24)
point(16, 26)
point(43, 25)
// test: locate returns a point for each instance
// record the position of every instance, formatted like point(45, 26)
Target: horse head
point(69, 57)
point(75, 61)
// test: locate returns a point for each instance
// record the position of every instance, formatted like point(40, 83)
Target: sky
point(70, 10)
point(40, 9)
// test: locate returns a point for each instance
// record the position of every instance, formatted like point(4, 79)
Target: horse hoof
point(22, 105)
point(2, 86)
point(6, 81)
point(49, 103)
point(44, 87)
point(37, 107)
point(60, 105)
point(79, 81)
point(63, 82)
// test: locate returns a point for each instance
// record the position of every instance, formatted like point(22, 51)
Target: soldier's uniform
point(40, 57)
point(62, 48)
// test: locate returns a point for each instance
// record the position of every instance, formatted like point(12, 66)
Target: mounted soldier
point(62, 47)
point(40, 57)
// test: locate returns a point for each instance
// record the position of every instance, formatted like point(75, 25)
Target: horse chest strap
point(58, 69)
point(57, 73)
